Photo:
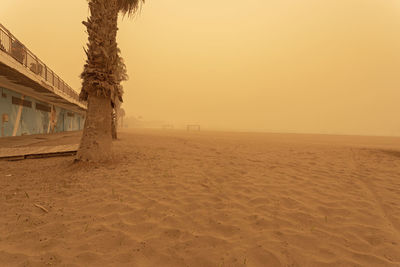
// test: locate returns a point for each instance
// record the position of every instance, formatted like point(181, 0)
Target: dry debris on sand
point(174, 198)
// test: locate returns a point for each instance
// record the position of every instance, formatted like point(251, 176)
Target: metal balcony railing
point(10, 45)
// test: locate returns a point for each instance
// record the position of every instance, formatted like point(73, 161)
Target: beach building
point(33, 99)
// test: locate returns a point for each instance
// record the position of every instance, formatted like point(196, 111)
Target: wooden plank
point(19, 153)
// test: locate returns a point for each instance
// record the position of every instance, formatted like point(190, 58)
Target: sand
point(175, 198)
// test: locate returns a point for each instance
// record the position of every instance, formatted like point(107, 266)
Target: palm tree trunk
point(96, 139)
point(114, 124)
point(99, 81)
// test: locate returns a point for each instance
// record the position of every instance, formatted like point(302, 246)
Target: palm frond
point(129, 7)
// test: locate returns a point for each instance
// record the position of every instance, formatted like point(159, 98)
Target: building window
point(20, 102)
point(43, 107)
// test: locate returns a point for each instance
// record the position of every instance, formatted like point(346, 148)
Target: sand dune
point(208, 199)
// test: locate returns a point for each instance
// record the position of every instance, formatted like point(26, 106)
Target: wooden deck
point(20, 153)
point(39, 146)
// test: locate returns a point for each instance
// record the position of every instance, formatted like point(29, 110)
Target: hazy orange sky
point(267, 65)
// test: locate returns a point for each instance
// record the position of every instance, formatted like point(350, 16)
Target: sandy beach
point(176, 198)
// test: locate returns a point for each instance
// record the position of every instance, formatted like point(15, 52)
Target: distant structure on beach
point(193, 127)
point(168, 126)
point(33, 99)
point(139, 122)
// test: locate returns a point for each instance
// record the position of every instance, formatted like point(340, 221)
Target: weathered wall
point(22, 115)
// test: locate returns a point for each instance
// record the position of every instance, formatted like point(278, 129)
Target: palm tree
point(121, 74)
point(100, 81)
point(121, 116)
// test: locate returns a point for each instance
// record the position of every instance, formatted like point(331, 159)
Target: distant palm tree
point(121, 74)
point(100, 82)
point(120, 116)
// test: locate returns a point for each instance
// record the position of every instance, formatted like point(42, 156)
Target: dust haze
point(279, 66)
